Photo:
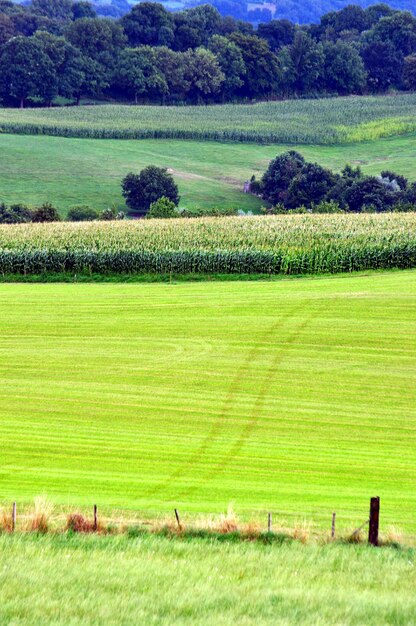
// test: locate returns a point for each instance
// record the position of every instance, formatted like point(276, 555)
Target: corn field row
point(296, 244)
point(325, 121)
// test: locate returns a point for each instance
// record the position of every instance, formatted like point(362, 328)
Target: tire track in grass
point(255, 414)
point(232, 392)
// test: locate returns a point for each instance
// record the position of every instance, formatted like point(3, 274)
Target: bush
point(111, 214)
point(163, 207)
point(15, 214)
point(141, 190)
point(46, 213)
point(82, 213)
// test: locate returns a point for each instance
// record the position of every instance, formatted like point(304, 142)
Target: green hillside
point(67, 172)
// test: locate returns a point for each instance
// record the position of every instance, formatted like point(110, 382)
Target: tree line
point(60, 48)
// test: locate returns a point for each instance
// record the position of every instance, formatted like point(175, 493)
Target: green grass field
point(89, 171)
point(154, 581)
point(295, 396)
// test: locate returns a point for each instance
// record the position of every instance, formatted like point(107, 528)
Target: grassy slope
point(96, 580)
point(86, 171)
point(294, 396)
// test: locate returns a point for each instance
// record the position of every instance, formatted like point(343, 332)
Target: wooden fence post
point(178, 519)
point(14, 517)
point(95, 526)
point(333, 525)
point(374, 521)
point(269, 523)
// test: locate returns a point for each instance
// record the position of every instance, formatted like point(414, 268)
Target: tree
point(26, 71)
point(138, 74)
point(279, 175)
point(304, 64)
point(203, 72)
point(15, 214)
point(7, 30)
point(277, 33)
point(344, 68)
point(54, 9)
point(262, 66)
point(98, 39)
point(383, 65)
point(46, 213)
point(172, 66)
point(371, 191)
point(68, 63)
point(310, 186)
point(162, 208)
point(140, 190)
point(148, 23)
point(83, 9)
point(409, 72)
point(231, 64)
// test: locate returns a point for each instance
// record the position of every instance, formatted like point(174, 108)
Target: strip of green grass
point(293, 396)
point(89, 171)
point(151, 580)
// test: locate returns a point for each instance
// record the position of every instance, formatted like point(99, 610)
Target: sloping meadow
point(294, 244)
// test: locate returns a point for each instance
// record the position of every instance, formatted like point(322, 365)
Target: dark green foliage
point(310, 186)
point(26, 70)
point(82, 213)
point(53, 9)
point(148, 23)
point(46, 213)
point(83, 9)
point(371, 193)
point(344, 68)
point(262, 66)
point(280, 173)
point(290, 183)
point(141, 190)
point(14, 214)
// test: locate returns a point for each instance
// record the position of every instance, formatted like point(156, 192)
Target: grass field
point(293, 396)
point(326, 121)
point(154, 581)
point(87, 171)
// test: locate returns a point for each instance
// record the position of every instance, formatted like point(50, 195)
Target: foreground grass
point(294, 396)
point(87, 171)
point(152, 580)
point(325, 121)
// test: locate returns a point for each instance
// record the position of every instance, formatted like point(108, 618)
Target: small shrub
point(77, 523)
point(15, 214)
point(163, 207)
point(82, 213)
point(46, 213)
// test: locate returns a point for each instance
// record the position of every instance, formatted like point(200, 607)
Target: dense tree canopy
point(196, 55)
point(290, 183)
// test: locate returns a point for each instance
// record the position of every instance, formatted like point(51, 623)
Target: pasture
point(70, 171)
point(153, 581)
point(294, 396)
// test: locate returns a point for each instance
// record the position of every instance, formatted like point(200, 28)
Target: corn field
point(325, 121)
point(295, 244)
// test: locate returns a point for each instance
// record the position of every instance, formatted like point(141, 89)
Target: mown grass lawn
point(116, 580)
point(295, 396)
point(67, 172)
